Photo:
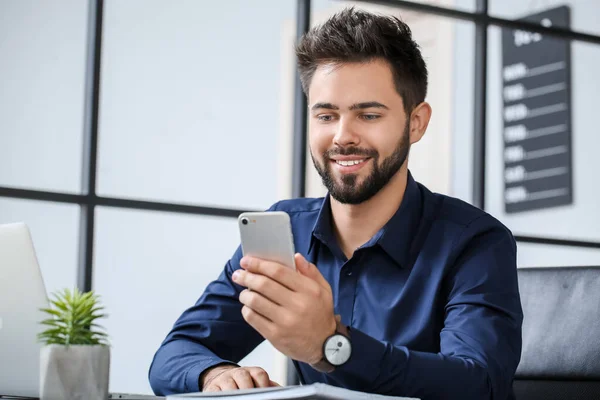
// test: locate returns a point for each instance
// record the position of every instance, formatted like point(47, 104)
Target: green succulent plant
point(72, 321)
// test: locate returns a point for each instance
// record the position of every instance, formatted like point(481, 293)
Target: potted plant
point(75, 358)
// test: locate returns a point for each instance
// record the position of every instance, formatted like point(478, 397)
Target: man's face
point(359, 132)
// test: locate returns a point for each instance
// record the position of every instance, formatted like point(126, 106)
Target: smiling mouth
point(350, 162)
point(349, 166)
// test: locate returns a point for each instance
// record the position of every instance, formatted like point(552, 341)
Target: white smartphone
point(268, 235)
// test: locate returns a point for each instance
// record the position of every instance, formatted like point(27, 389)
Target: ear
point(419, 120)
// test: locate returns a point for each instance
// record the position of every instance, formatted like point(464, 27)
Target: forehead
point(352, 82)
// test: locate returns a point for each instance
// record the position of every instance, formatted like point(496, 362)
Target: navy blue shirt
point(431, 300)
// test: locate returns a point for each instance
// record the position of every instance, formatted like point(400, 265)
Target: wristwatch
point(337, 348)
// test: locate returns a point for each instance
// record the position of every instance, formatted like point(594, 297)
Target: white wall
point(463, 89)
point(42, 67)
point(541, 255)
point(190, 91)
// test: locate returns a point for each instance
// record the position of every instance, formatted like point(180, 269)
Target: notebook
point(305, 392)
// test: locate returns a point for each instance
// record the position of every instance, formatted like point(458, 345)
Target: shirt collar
point(399, 232)
point(323, 228)
point(396, 236)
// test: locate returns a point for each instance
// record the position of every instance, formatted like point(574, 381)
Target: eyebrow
point(356, 106)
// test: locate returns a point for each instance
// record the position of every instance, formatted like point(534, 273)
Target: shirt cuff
point(192, 377)
point(366, 361)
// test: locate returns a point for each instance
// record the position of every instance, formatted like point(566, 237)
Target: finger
point(227, 383)
point(309, 270)
point(243, 379)
point(262, 305)
point(258, 322)
point(278, 272)
point(274, 384)
point(260, 377)
point(264, 285)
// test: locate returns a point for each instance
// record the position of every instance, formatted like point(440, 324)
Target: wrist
point(211, 373)
point(332, 328)
point(338, 348)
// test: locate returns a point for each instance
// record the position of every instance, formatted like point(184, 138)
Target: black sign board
point(536, 91)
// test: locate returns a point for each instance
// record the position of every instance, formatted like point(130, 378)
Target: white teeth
point(348, 163)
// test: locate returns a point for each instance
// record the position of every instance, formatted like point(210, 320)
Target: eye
point(370, 117)
point(325, 117)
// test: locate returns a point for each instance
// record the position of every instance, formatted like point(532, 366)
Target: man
point(425, 285)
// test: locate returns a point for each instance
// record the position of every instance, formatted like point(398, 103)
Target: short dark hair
point(359, 36)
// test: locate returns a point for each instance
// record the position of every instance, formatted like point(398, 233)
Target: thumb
point(309, 270)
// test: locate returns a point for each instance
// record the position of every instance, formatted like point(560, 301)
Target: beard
point(347, 190)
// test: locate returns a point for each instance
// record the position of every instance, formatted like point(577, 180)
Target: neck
point(355, 224)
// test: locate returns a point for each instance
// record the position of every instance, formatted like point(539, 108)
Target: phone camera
point(245, 221)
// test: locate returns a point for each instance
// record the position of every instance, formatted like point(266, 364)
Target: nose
point(345, 135)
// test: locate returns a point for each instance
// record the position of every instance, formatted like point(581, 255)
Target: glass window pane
point(461, 127)
point(149, 267)
point(42, 76)
point(191, 101)
point(542, 255)
point(584, 13)
point(442, 159)
point(540, 164)
point(463, 5)
point(54, 230)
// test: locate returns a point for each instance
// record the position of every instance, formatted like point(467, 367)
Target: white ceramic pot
point(76, 372)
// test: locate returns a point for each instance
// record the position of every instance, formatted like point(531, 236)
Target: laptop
point(22, 294)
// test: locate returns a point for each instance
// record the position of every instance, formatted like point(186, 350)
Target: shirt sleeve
point(480, 343)
point(209, 333)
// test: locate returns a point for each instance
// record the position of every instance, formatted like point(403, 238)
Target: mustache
point(350, 151)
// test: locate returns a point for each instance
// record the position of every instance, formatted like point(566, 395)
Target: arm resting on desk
point(480, 344)
point(211, 332)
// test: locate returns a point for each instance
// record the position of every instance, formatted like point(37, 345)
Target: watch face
point(337, 349)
